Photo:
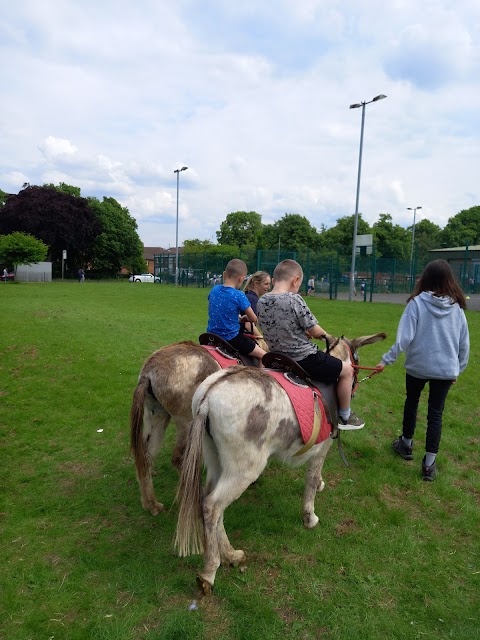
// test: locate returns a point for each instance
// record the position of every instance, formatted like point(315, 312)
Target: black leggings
point(436, 402)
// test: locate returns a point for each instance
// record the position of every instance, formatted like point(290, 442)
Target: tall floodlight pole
point(177, 171)
point(412, 275)
point(355, 224)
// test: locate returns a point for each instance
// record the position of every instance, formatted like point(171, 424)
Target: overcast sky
point(113, 96)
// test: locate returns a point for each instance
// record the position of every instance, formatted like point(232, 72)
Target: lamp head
point(380, 97)
point(355, 106)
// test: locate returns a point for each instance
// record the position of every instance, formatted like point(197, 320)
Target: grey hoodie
point(433, 333)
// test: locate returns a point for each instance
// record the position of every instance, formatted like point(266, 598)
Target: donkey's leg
point(155, 421)
point(314, 483)
point(228, 555)
point(226, 491)
point(181, 440)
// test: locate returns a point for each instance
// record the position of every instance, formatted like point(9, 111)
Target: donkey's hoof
point(205, 586)
point(238, 558)
point(310, 520)
point(321, 486)
point(155, 508)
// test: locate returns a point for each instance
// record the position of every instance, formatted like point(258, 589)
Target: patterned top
point(225, 304)
point(284, 319)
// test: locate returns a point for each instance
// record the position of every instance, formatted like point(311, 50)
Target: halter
point(356, 367)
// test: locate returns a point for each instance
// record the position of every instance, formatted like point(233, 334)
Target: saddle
point(225, 349)
point(287, 372)
point(297, 375)
point(275, 360)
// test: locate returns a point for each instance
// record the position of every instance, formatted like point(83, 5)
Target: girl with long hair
point(255, 286)
point(433, 334)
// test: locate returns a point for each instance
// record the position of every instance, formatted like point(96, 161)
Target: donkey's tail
point(136, 427)
point(189, 535)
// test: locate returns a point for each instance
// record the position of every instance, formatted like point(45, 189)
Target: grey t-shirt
point(284, 318)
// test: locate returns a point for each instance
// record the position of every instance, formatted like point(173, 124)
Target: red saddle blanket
point(222, 360)
point(303, 404)
point(302, 398)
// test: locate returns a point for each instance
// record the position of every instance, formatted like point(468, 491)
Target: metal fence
point(331, 271)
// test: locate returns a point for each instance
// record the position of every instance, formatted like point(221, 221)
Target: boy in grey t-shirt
point(288, 324)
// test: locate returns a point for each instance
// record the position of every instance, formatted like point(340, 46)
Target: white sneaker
point(352, 424)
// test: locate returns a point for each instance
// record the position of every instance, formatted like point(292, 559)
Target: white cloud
point(53, 147)
point(253, 98)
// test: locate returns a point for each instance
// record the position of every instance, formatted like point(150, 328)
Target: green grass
point(392, 556)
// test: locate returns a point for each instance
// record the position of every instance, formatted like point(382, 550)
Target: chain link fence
point(330, 270)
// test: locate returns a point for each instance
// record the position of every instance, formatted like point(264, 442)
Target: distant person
point(362, 286)
point(433, 333)
point(81, 275)
point(310, 286)
point(226, 303)
point(5, 275)
point(288, 324)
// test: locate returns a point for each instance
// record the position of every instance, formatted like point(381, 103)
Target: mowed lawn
point(392, 556)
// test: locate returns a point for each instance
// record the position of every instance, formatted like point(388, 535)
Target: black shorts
point(243, 344)
point(323, 367)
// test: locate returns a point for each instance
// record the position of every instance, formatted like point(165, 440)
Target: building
point(165, 258)
point(465, 263)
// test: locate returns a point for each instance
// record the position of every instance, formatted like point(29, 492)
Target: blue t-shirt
point(225, 304)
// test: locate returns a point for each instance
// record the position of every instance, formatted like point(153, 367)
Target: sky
point(253, 97)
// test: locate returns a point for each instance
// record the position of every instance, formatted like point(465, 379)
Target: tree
point(198, 246)
point(118, 244)
point(463, 228)
point(391, 240)
point(293, 231)
point(427, 236)
point(65, 188)
point(59, 219)
point(241, 229)
point(21, 248)
point(340, 237)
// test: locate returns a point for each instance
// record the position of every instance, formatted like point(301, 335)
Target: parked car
point(143, 277)
point(10, 276)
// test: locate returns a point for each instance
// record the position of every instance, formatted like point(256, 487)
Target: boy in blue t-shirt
point(226, 303)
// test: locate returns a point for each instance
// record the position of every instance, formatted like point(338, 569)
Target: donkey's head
point(346, 349)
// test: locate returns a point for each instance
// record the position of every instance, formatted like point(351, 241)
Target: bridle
point(354, 360)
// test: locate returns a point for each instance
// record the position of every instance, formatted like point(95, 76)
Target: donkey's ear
point(361, 342)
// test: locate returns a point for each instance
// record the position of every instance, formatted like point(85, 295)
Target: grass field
point(392, 556)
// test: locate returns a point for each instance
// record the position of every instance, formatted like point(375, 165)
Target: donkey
point(241, 417)
point(167, 382)
point(164, 392)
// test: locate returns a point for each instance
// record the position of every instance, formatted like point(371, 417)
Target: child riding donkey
point(226, 303)
point(288, 324)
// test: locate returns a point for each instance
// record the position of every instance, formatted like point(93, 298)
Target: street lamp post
point(412, 275)
point(355, 224)
point(177, 171)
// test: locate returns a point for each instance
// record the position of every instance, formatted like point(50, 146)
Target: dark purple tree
point(59, 219)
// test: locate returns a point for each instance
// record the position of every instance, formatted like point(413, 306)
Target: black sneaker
point(353, 423)
point(429, 473)
point(403, 449)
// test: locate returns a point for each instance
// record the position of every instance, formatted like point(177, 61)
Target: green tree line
point(244, 230)
point(98, 234)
